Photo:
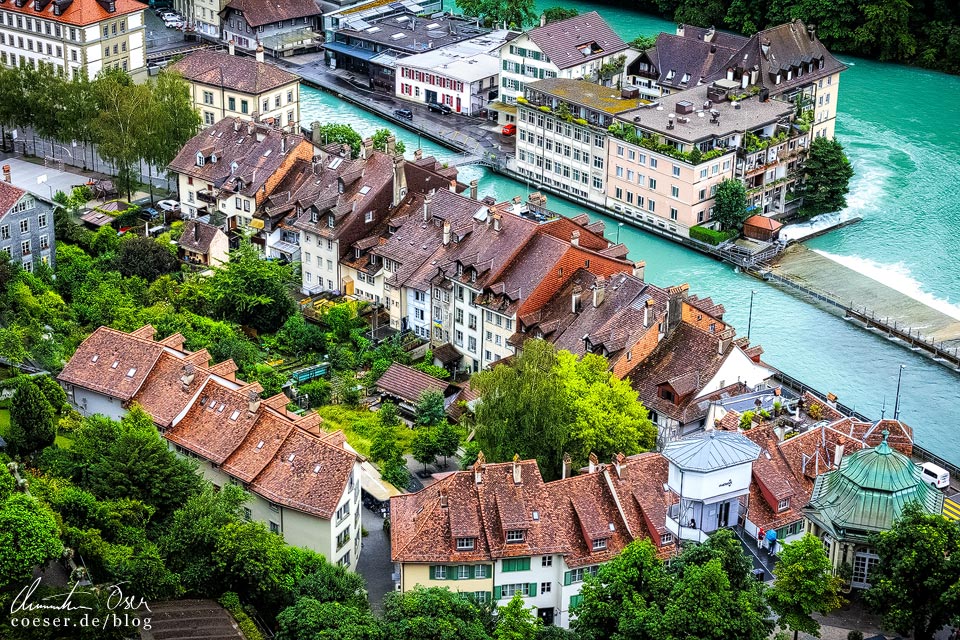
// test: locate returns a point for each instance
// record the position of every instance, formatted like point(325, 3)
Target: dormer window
point(200, 159)
point(466, 544)
point(459, 269)
point(783, 505)
point(313, 216)
point(600, 545)
point(330, 221)
point(515, 535)
point(666, 538)
point(356, 252)
point(667, 394)
point(473, 275)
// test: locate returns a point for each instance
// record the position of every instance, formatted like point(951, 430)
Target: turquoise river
point(901, 129)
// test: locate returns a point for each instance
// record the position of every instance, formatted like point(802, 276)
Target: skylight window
point(116, 363)
point(364, 190)
point(336, 162)
point(316, 469)
point(291, 457)
point(373, 29)
point(433, 25)
point(267, 152)
point(203, 400)
point(132, 372)
point(95, 358)
point(398, 36)
point(235, 415)
point(260, 445)
point(403, 18)
point(222, 406)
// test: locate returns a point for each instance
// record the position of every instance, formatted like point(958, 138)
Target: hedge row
point(710, 236)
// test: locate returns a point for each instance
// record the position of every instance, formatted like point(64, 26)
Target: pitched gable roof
point(112, 363)
point(238, 73)
point(407, 383)
point(571, 42)
point(9, 196)
point(198, 236)
point(263, 12)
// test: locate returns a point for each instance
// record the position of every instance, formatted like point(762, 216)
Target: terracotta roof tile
point(258, 447)
point(563, 41)
point(239, 73)
point(78, 12)
point(197, 236)
point(112, 363)
point(263, 12)
point(407, 383)
point(165, 392)
point(9, 195)
point(215, 424)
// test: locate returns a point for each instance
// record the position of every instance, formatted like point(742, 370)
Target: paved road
point(375, 565)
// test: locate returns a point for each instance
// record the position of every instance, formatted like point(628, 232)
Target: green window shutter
point(541, 74)
point(575, 600)
point(433, 572)
point(567, 579)
point(453, 573)
point(524, 564)
point(505, 65)
point(496, 593)
point(533, 589)
point(473, 571)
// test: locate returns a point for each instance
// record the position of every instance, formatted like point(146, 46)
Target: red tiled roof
point(77, 12)
point(9, 195)
point(561, 40)
point(112, 363)
point(165, 392)
point(239, 73)
point(215, 424)
point(762, 222)
point(407, 383)
point(262, 12)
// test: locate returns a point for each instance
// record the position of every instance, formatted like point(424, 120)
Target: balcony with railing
point(207, 196)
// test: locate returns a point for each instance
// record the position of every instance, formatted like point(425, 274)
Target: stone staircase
point(190, 620)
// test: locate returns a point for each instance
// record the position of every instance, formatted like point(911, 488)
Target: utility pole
point(896, 405)
point(750, 317)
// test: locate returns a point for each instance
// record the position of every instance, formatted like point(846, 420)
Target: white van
point(937, 476)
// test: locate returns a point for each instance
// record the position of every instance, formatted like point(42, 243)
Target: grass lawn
point(4, 423)
point(64, 442)
point(358, 425)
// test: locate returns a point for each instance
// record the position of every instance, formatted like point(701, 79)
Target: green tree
point(380, 141)
point(121, 123)
point(448, 440)
point(7, 483)
point(171, 121)
point(28, 538)
point(513, 14)
point(385, 445)
point(395, 472)
point(52, 391)
point(435, 613)
point(885, 30)
point(556, 14)
point(317, 392)
point(33, 424)
point(315, 620)
point(269, 378)
point(915, 584)
point(145, 258)
point(804, 583)
point(337, 133)
point(731, 204)
point(424, 447)
point(388, 416)
point(516, 621)
point(623, 600)
point(642, 43)
point(189, 543)
point(129, 459)
point(430, 410)
point(299, 337)
point(827, 174)
point(251, 291)
point(251, 561)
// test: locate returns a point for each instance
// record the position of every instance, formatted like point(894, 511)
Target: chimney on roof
point(575, 238)
point(638, 269)
point(259, 54)
point(599, 291)
point(675, 305)
point(575, 298)
point(366, 150)
point(765, 48)
point(188, 375)
point(726, 337)
point(250, 128)
point(812, 32)
point(236, 124)
point(837, 455)
point(253, 401)
point(516, 469)
point(567, 466)
point(496, 221)
point(443, 499)
point(196, 232)
point(710, 34)
point(426, 208)
point(618, 461)
point(543, 19)
point(231, 47)
point(391, 145)
point(592, 462)
point(6, 173)
point(399, 178)
point(453, 185)
point(478, 468)
point(474, 184)
point(446, 232)
point(680, 30)
point(418, 154)
point(283, 144)
point(646, 312)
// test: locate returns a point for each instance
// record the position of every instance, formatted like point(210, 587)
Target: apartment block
point(26, 228)
point(576, 48)
point(281, 28)
point(304, 483)
point(73, 36)
point(223, 85)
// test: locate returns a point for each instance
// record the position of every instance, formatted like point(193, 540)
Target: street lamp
point(619, 226)
point(896, 404)
point(750, 317)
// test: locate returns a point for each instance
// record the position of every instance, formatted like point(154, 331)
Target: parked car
point(148, 213)
point(169, 205)
point(406, 114)
point(439, 107)
point(935, 476)
point(175, 24)
point(509, 129)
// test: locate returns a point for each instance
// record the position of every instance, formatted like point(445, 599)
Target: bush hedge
point(231, 602)
point(703, 234)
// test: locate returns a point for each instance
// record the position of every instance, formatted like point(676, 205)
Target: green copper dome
point(869, 491)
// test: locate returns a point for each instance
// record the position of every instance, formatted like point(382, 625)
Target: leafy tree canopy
point(251, 291)
point(731, 204)
point(804, 583)
point(380, 141)
point(513, 13)
point(28, 538)
point(827, 174)
point(342, 133)
point(435, 613)
point(556, 14)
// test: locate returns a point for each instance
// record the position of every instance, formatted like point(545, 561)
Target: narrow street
point(375, 565)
